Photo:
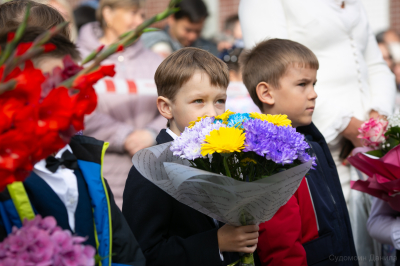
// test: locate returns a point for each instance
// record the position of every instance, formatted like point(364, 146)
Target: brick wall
point(156, 6)
point(395, 15)
point(227, 8)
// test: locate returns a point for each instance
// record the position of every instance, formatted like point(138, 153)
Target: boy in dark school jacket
point(313, 227)
point(191, 83)
point(70, 186)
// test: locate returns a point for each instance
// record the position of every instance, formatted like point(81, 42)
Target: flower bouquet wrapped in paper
point(236, 168)
point(379, 159)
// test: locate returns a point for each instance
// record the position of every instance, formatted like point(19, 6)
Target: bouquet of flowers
point(246, 147)
point(38, 115)
point(237, 168)
point(42, 242)
point(379, 159)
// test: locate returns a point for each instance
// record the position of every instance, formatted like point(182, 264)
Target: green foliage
point(237, 163)
point(377, 153)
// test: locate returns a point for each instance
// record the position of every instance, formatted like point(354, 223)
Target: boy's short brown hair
point(63, 45)
point(42, 16)
point(180, 66)
point(269, 60)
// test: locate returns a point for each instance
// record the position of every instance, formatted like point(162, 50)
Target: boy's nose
point(211, 111)
point(313, 95)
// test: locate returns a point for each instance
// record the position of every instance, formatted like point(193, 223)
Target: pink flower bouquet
point(381, 163)
point(372, 132)
point(41, 242)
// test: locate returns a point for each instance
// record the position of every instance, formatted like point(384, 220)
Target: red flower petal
point(23, 47)
point(48, 47)
point(29, 82)
point(120, 48)
point(100, 48)
point(108, 70)
point(10, 36)
point(55, 111)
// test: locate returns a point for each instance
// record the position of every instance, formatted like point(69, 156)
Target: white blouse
point(353, 78)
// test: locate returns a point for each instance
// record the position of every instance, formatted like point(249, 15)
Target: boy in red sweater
point(313, 228)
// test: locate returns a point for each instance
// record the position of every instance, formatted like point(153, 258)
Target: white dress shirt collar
point(63, 182)
point(172, 134)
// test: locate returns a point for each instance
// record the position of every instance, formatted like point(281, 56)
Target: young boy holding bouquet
point(69, 185)
point(191, 83)
point(313, 228)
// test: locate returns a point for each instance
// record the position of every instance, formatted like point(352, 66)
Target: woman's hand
point(351, 131)
point(376, 115)
point(139, 139)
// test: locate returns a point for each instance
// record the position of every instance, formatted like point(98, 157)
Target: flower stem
point(246, 259)
point(228, 173)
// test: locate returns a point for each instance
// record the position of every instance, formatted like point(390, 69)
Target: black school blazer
point(169, 232)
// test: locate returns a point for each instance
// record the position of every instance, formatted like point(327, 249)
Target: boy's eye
point(302, 84)
point(221, 101)
point(198, 101)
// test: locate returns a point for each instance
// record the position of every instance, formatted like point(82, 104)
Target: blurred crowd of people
point(389, 44)
point(127, 119)
point(130, 121)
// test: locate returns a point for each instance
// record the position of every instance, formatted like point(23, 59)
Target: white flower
point(394, 120)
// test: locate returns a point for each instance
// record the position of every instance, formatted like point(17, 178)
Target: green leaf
point(18, 35)
point(377, 153)
point(393, 142)
point(150, 29)
point(10, 85)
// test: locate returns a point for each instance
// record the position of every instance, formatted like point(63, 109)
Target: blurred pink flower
point(12, 262)
point(373, 132)
point(49, 223)
point(41, 242)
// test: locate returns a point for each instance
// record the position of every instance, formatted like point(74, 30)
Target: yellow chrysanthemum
point(191, 124)
point(278, 120)
point(223, 140)
point(224, 117)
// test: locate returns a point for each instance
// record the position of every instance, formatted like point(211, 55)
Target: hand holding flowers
point(382, 163)
point(244, 167)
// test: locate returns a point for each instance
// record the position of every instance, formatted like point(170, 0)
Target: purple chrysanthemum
point(281, 145)
point(188, 145)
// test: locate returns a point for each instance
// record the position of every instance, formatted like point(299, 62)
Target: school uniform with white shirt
point(70, 187)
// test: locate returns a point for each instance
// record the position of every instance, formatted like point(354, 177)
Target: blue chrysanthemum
point(236, 120)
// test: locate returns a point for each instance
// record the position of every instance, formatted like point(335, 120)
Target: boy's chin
point(301, 123)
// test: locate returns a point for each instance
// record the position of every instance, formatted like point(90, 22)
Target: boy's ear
point(265, 93)
point(164, 107)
